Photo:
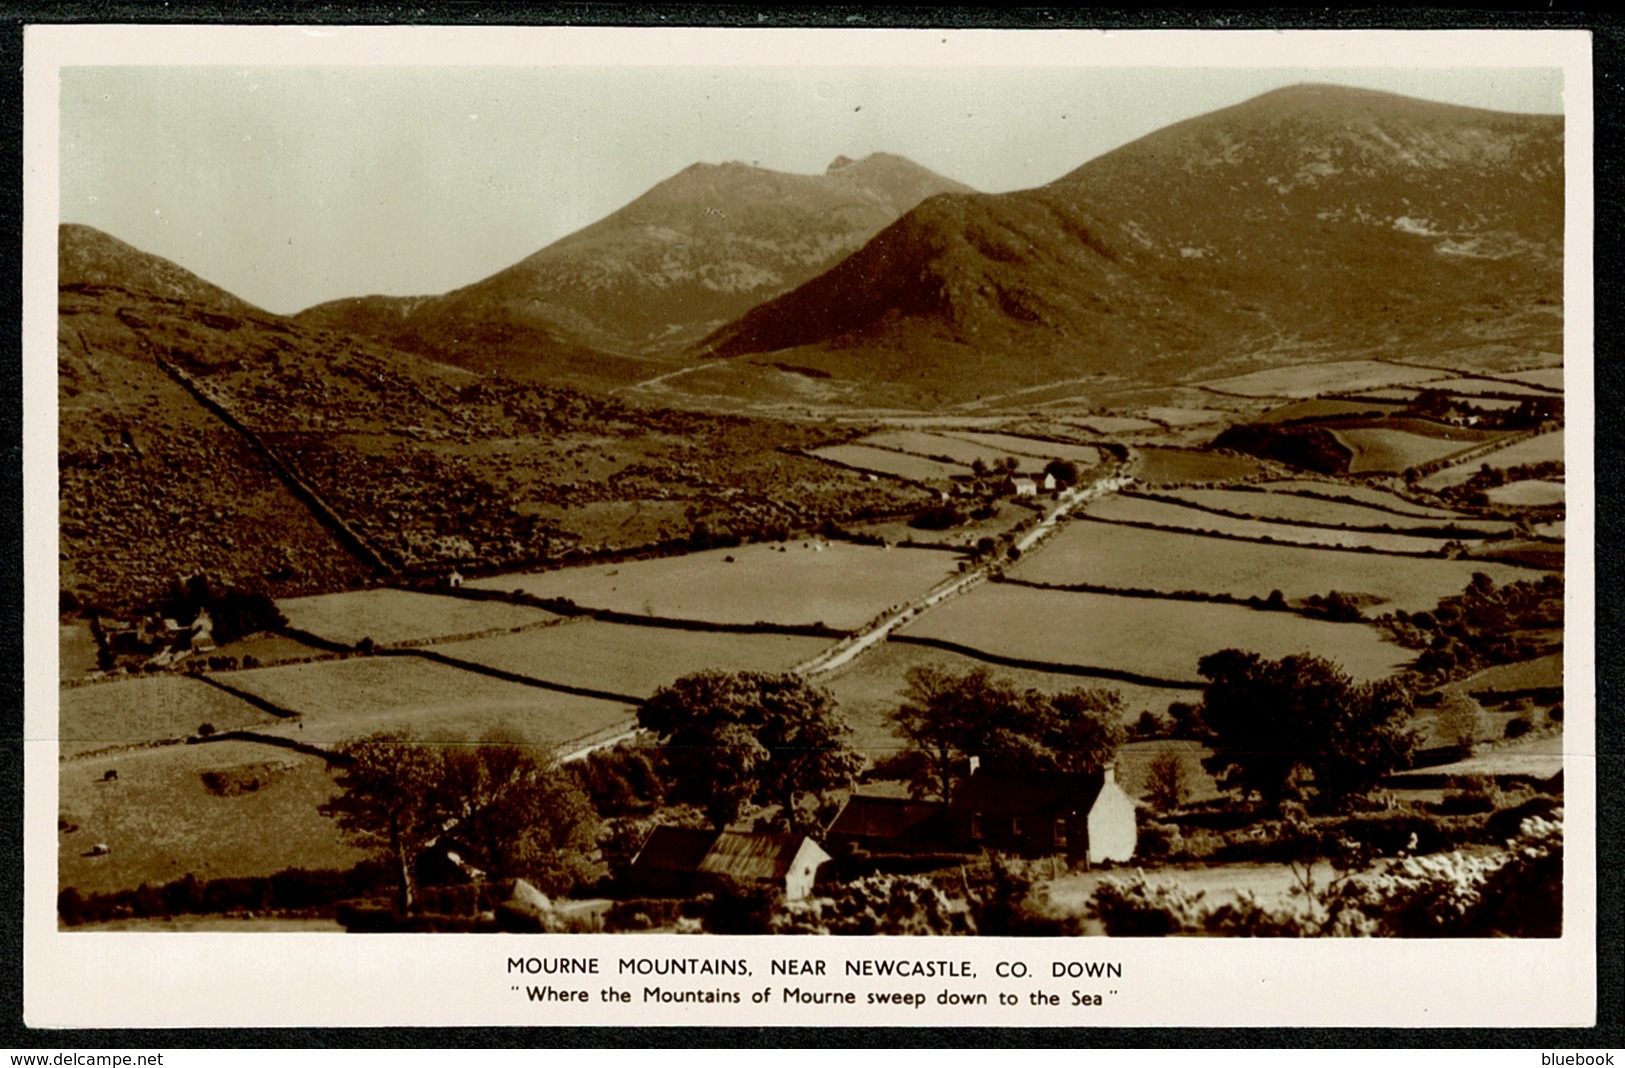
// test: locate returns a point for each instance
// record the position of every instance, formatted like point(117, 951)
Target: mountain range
point(1314, 222)
point(1310, 223)
point(641, 285)
point(368, 437)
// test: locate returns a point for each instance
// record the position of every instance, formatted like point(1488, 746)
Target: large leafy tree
point(1299, 727)
point(513, 810)
point(947, 718)
point(733, 740)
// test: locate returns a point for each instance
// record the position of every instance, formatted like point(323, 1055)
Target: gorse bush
point(877, 904)
point(1515, 891)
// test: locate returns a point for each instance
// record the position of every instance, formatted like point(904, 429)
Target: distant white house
point(455, 578)
point(203, 632)
point(1021, 486)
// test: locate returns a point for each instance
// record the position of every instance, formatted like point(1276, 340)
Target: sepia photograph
point(1077, 496)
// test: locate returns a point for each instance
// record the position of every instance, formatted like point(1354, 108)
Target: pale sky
point(293, 185)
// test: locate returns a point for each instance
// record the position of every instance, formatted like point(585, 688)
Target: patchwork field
point(1381, 498)
point(1183, 416)
point(1127, 509)
point(1113, 424)
point(1380, 449)
point(1159, 639)
point(145, 709)
point(798, 582)
point(870, 688)
point(1393, 393)
point(75, 650)
point(1550, 377)
point(390, 617)
point(1042, 449)
point(1541, 673)
point(954, 449)
point(1324, 408)
point(1536, 757)
point(887, 462)
point(1472, 387)
point(344, 699)
point(269, 648)
point(1162, 466)
point(1543, 448)
point(965, 535)
point(1530, 493)
point(159, 820)
point(631, 660)
point(1104, 554)
point(1314, 510)
point(1311, 380)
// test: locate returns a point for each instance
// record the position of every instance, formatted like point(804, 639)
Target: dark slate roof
point(865, 816)
point(674, 849)
point(737, 854)
point(752, 856)
point(1028, 795)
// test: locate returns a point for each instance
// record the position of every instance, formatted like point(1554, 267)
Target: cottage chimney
point(1111, 774)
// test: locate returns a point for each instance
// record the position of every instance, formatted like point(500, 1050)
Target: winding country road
point(844, 651)
point(847, 649)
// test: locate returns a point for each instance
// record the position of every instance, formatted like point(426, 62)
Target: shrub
point(1134, 907)
point(741, 908)
point(877, 904)
point(1518, 727)
point(1159, 840)
point(643, 914)
point(1471, 794)
point(1151, 725)
point(1168, 784)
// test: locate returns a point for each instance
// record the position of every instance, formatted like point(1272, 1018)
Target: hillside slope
point(1314, 222)
point(195, 436)
point(692, 253)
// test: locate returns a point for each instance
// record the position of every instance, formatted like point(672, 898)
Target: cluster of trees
point(774, 747)
point(497, 806)
point(750, 738)
point(949, 719)
point(1531, 410)
point(1483, 625)
point(1299, 729)
point(235, 614)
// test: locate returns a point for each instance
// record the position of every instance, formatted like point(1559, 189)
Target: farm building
point(1081, 817)
point(1020, 486)
point(890, 825)
point(682, 861)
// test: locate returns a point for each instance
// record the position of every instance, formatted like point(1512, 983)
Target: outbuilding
point(683, 861)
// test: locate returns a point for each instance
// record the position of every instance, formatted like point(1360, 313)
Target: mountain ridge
point(691, 253)
point(1309, 220)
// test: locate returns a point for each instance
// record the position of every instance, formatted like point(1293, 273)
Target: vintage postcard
point(542, 523)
